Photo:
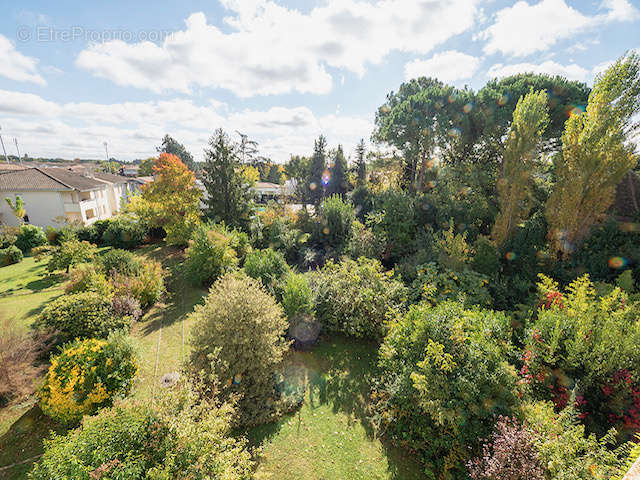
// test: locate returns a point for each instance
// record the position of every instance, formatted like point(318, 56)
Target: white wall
point(41, 207)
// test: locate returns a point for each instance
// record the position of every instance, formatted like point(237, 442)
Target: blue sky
point(77, 74)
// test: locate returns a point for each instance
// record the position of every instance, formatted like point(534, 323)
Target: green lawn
point(330, 437)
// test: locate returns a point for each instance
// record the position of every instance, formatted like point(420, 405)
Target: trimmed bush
point(124, 232)
point(238, 340)
point(356, 297)
point(268, 266)
point(445, 378)
point(137, 442)
point(81, 315)
point(30, 236)
point(87, 375)
point(120, 261)
point(211, 253)
point(10, 255)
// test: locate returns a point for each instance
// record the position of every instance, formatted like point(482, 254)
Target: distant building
point(265, 191)
point(53, 194)
point(129, 170)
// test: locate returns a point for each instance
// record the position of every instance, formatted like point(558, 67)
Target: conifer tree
point(315, 189)
point(338, 180)
point(361, 165)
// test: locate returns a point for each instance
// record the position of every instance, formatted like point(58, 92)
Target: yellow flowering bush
point(86, 375)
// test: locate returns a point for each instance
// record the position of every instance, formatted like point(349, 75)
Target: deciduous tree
point(530, 119)
point(597, 151)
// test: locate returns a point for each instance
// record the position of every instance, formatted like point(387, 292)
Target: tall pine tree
point(361, 165)
point(338, 180)
point(229, 197)
point(315, 189)
point(170, 145)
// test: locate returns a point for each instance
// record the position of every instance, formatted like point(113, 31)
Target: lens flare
point(312, 186)
point(511, 256)
point(467, 107)
point(503, 100)
point(618, 262)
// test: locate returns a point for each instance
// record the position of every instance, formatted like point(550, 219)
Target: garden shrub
point(30, 236)
point(509, 454)
point(394, 220)
point(356, 297)
point(210, 254)
point(146, 286)
point(486, 259)
point(10, 255)
point(87, 375)
point(268, 266)
point(120, 261)
point(445, 377)
point(93, 233)
point(124, 232)
point(336, 219)
point(81, 315)
point(137, 442)
point(564, 448)
point(8, 235)
point(70, 253)
point(585, 345)
point(238, 338)
point(364, 201)
point(297, 297)
point(86, 278)
point(126, 306)
point(439, 284)
point(364, 242)
point(276, 228)
point(453, 250)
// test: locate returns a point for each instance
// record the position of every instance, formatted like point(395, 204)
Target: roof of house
point(266, 185)
point(111, 178)
point(48, 179)
point(11, 166)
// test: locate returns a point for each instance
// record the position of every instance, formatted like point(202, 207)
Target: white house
point(54, 194)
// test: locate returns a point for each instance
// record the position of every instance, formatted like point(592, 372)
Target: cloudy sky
point(77, 74)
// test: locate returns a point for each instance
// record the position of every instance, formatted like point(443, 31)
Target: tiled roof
point(46, 179)
point(10, 166)
point(111, 178)
point(72, 179)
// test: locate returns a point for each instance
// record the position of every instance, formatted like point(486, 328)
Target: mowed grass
point(330, 436)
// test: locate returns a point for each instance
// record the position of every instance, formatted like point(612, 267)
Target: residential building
point(55, 195)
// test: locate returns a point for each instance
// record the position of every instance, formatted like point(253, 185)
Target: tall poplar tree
point(338, 175)
point(361, 164)
point(317, 167)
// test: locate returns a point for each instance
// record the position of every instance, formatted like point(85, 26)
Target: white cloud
point(17, 66)
point(270, 49)
point(447, 66)
point(524, 28)
point(571, 71)
point(133, 129)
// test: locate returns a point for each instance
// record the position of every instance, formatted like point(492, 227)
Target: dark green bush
point(120, 261)
point(445, 377)
point(356, 297)
point(30, 236)
point(10, 255)
point(394, 220)
point(93, 233)
point(124, 232)
point(268, 266)
point(335, 223)
point(81, 315)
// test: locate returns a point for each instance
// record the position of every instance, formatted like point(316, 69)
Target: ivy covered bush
point(87, 375)
point(587, 345)
point(136, 442)
point(81, 315)
point(356, 297)
point(239, 341)
point(445, 378)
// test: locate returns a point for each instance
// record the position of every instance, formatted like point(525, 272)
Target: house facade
point(52, 196)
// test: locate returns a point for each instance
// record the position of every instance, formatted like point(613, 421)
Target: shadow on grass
point(24, 440)
point(339, 373)
point(44, 282)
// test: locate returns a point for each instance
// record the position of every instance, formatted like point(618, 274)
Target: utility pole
point(4, 149)
point(106, 152)
point(15, 140)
